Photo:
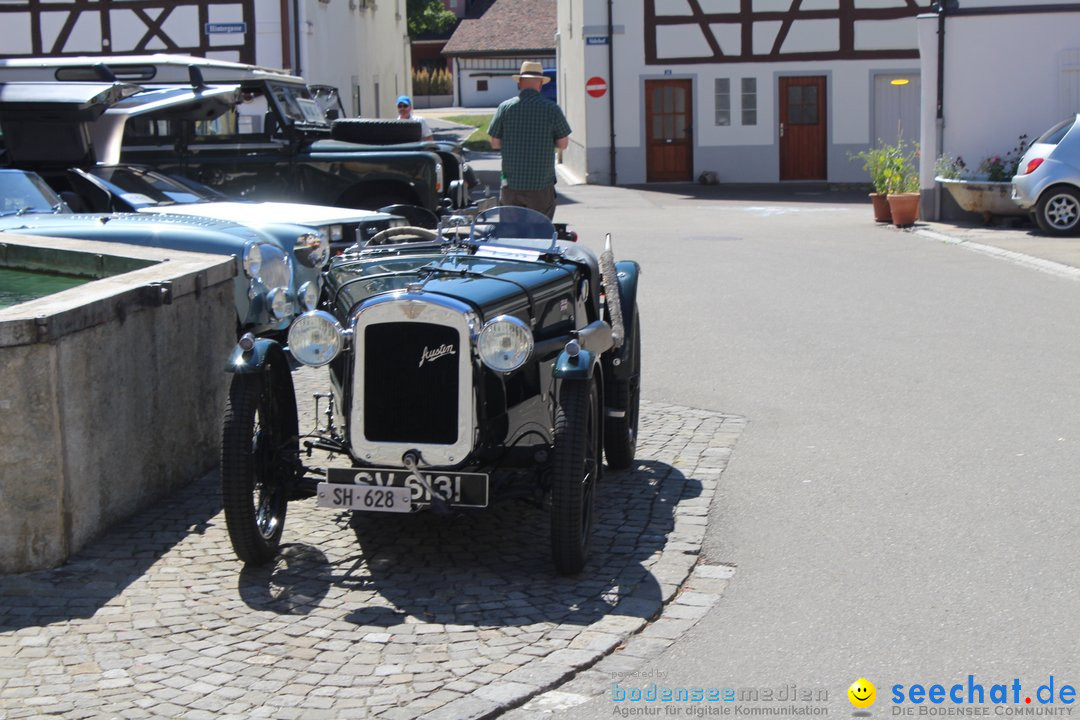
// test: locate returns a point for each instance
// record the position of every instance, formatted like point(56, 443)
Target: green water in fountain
point(19, 286)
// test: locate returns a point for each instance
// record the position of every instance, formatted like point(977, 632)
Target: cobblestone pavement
point(390, 617)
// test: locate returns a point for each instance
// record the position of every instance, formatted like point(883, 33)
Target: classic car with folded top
point(468, 364)
point(132, 188)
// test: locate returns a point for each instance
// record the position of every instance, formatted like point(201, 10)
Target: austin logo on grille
point(436, 353)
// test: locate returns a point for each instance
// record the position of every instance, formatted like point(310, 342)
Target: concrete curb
point(1029, 261)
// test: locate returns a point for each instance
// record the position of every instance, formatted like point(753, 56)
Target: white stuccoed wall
point(1005, 75)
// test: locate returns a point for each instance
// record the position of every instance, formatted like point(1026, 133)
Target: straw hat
point(532, 69)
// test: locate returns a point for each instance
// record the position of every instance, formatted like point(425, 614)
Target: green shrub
point(892, 168)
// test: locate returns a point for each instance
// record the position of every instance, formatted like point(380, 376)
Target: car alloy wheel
point(1059, 211)
point(575, 470)
point(256, 466)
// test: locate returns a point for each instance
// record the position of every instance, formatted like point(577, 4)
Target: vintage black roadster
point(472, 362)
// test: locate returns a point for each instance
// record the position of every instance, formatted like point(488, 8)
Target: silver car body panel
point(1061, 165)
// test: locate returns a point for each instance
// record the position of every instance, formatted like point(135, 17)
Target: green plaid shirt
point(528, 127)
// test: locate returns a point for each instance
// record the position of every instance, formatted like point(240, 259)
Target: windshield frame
point(23, 192)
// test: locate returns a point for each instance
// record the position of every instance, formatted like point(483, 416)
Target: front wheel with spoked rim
point(258, 455)
point(575, 471)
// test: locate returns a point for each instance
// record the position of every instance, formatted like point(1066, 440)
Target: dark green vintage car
point(468, 364)
point(255, 133)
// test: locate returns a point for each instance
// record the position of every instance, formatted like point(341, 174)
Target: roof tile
point(509, 26)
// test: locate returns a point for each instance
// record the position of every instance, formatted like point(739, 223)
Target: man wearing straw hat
point(528, 129)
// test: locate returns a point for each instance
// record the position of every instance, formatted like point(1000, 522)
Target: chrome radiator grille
point(411, 383)
point(413, 380)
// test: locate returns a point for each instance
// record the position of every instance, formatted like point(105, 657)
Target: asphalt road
point(902, 505)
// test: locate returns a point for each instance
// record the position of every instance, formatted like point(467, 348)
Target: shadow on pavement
point(108, 565)
point(785, 192)
point(488, 568)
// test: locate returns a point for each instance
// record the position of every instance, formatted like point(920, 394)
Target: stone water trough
point(111, 392)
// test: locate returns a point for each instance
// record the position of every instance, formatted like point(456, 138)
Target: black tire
point(624, 396)
point(575, 471)
point(375, 132)
point(1036, 220)
point(1058, 211)
point(257, 460)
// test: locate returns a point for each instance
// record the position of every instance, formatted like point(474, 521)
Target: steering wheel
point(384, 237)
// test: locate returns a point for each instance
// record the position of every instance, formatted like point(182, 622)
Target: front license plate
point(364, 497)
point(457, 489)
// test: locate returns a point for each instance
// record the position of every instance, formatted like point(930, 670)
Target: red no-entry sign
point(596, 86)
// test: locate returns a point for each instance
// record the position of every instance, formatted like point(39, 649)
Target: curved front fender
point(574, 368)
point(619, 362)
point(243, 362)
point(626, 274)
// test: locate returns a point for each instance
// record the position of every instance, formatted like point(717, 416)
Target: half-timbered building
point(753, 91)
point(359, 46)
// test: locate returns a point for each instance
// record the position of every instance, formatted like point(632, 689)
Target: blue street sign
point(228, 28)
point(597, 40)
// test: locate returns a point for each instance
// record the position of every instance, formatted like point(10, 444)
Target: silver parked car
point(1047, 182)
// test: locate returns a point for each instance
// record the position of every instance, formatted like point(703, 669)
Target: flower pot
point(881, 207)
point(904, 208)
point(982, 196)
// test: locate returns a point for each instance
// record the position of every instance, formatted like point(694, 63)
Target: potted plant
point(987, 190)
point(876, 162)
point(902, 185)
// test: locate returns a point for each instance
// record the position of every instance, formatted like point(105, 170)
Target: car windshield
point(141, 188)
point(295, 104)
point(328, 99)
point(1053, 135)
point(22, 192)
point(509, 224)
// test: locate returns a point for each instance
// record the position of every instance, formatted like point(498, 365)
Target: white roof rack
point(160, 68)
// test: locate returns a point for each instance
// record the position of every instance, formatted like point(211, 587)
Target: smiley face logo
point(862, 693)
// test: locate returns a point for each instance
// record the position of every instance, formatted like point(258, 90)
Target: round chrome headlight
point(315, 338)
point(308, 295)
point(252, 259)
point(505, 343)
point(281, 306)
point(312, 249)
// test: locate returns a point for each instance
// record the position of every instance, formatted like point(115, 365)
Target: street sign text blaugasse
point(226, 28)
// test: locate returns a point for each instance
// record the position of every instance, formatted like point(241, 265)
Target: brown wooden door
point(669, 144)
point(802, 128)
